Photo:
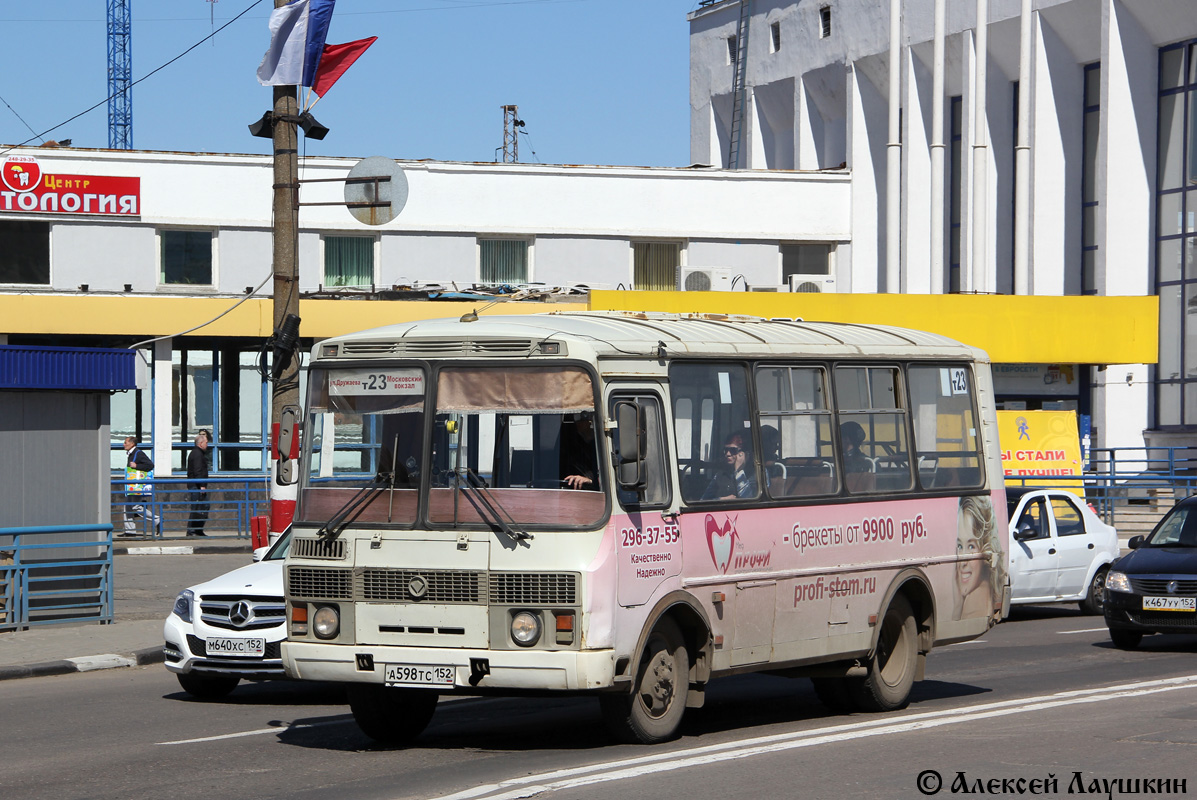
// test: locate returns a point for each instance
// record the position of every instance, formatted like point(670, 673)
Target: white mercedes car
point(230, 627)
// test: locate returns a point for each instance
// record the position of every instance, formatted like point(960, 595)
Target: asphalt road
point(1041, 697)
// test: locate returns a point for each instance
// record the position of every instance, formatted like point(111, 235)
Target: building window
point(186, 258)
point(775, 37)
point(824, 22)
point(811, 263)
point(956, 188)
point(348, 261)
point(654, 267)
point(502, 261)
point(733, 49)
point(25, 252)
point(1092, 116)
point(1176, 236)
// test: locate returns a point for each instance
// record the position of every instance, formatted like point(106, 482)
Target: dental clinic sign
point(25, 188)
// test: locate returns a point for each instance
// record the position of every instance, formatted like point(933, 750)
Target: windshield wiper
point(488, 505)
point(353, 506)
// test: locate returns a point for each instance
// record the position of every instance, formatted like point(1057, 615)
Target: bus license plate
point(220, 646)
point(418, 675)
point(1170, 603)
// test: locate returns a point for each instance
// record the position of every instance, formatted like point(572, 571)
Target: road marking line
point(260, 732)
point(1086, 630)
point(530, 785)
point(970, 641)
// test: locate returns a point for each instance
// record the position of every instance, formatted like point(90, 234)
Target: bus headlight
point(326, 622)
point(182, 607)
point(525, 629)
point(1117, 582)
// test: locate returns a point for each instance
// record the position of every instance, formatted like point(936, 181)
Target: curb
point(138, 658)
point(182, 549)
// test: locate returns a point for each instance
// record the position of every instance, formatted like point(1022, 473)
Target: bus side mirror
point(632, 445)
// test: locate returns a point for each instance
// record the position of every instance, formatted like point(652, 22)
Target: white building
point(1102, 110)
point(171, 252)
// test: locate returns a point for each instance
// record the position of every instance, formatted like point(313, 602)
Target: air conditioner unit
point(770, 287)
point(812, 284)
point(704, 279)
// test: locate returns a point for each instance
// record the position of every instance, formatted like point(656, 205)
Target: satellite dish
point(379, 182)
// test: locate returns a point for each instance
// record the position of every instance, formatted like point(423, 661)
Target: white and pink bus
point(631, 505)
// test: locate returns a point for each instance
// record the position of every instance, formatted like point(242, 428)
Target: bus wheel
point(835, 693)
point(390, 715)
point(653, 712)
point(892, 667)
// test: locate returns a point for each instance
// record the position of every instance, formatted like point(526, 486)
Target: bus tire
point(835, 693)
point(391, 715)
point(894, 662)
point(653, 711)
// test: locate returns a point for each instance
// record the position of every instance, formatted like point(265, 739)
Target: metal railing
point(55, 573)
point(167, 509)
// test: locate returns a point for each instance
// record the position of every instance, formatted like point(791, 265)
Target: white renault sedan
point(230, 627)
point(1060, 551)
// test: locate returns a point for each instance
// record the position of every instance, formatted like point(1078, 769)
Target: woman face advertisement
point(978, 553)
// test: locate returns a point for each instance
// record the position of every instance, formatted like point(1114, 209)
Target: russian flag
point(297, 34)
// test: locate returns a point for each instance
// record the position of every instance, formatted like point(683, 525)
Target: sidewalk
point(148, 575)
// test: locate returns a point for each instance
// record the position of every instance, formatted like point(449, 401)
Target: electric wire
point(134, 83)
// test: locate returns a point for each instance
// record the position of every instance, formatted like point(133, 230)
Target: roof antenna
point(472, 316)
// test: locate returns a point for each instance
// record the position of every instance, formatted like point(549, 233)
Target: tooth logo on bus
point(721, 541)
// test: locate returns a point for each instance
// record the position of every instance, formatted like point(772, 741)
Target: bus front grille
point(422, 586)
point(533, 588)
point(331, 549)
point(325, 584)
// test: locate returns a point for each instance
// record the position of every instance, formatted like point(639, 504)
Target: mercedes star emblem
point(240, 613)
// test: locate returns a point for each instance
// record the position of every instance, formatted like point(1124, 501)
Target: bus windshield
point(512, 444)
point(524, 437)
point(366, 427)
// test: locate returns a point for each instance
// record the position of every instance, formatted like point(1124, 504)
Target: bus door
point(647, 539)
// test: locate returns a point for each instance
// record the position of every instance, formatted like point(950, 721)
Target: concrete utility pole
point(285, 392)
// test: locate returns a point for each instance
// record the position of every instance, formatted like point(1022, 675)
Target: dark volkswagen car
point(1153, 588)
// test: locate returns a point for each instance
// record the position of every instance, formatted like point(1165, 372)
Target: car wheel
point(1124, 639)
point(1095, 598)
point(653, 711)
point(207, 687)
point(892, 667)
point(835, 693)
point(391, 715)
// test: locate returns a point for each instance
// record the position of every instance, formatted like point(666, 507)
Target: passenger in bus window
point(853, 435)
point(737, 478)
point(978, 581)
point(579, 460)
point(771, 453)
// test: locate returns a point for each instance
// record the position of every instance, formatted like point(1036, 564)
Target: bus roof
point(639, 334)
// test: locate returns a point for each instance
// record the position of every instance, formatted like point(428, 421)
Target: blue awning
point(67, 368)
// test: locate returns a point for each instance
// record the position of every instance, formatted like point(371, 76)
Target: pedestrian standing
point(197, 471)
point(139, 476)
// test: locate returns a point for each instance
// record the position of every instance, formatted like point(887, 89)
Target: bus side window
point(710, 409)
point(656, 480)
point(797, 456)
point(872, 416)
point(942, 400)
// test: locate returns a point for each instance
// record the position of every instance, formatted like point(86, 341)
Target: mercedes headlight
point(182, 607)
point(1117, 582)
point(326, 622)
point(525, 629)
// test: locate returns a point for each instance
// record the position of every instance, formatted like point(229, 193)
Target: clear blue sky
point(596, 81)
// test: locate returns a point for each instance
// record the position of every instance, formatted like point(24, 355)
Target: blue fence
point(55, 573)
point(167, 509)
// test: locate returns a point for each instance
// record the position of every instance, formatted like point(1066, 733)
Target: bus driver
point(737, 479)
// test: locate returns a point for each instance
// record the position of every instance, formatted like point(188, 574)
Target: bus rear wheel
point(653, 711)
point(891, 669)
point(390, 715)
